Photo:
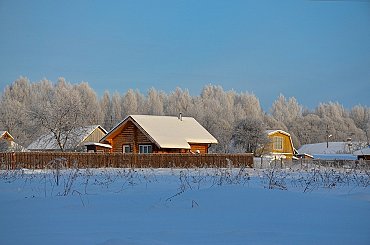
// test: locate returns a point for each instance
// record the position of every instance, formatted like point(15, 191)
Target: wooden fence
point(40, 160)
point(311, 163)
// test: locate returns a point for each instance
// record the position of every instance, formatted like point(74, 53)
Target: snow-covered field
point(184, 206)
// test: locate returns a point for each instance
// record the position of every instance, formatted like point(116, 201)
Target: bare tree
point(249, 134)
point(58, 111)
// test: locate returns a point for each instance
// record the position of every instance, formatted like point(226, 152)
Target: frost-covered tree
point(214, 110)
point(57, 110)
point(90, 104)
point(361, 117)
point(117, 108)
point(154, 102)
point(286, 110)
point(249, 135)
point(247, 105)
point(338, 120)
point(178, 101)
point(13, 104)
point(26, 108)
point(107, 110)
point(130, 103)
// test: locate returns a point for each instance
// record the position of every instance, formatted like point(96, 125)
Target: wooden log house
point(158, 134)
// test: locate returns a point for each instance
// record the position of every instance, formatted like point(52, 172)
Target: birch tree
point(361, 117)
point(57, 109)
point(130, 102)
point(13, 102)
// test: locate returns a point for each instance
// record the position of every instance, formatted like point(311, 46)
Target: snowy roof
point(334, 157)
point(334, 148)
point(2, 133)
point(364, 151)
point(272, 131)
point(77, 136)
point(169, 132)
point(98, 144)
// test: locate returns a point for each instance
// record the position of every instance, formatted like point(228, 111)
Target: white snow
point(364, 151)
point(183, 206)
point(331, 148)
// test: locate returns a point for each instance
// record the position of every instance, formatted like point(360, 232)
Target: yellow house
point(280, 144)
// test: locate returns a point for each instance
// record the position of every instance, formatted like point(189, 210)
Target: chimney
point(180, 116)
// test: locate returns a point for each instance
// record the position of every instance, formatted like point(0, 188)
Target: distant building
point(363, 153)
point(159, 134)
point(331, 150)
point(280, 145)
point(5, 135)
point(75, 142)
point(7, 143)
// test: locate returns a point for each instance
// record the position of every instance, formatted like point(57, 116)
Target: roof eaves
point(114, 128)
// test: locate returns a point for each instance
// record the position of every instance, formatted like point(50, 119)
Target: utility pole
point(327, 136)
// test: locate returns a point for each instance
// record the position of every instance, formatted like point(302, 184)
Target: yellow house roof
point(273, 131)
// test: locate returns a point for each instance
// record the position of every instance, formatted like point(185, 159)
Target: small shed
point(159, 134)
point(280, 144)
point(75, 141)
point(363, 153)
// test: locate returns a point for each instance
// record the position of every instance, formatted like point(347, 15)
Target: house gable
point(95, 135)
point(6, 136)
point(127, 134)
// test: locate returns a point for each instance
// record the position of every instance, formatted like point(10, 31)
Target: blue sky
point(316, 51)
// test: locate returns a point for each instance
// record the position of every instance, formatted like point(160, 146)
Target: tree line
point(31, 109)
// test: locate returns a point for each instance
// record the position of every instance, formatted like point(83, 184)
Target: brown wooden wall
point(40, 160)
point(130, 135)
point(202, 148)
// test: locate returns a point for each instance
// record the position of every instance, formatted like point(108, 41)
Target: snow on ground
point(182, 206)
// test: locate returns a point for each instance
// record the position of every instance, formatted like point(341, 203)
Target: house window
point(278, 143)
point(145, 149)
point(126, 149)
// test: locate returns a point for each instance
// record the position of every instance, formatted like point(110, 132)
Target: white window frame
point(278, 143)
point(145, 149)
point(124, 147)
